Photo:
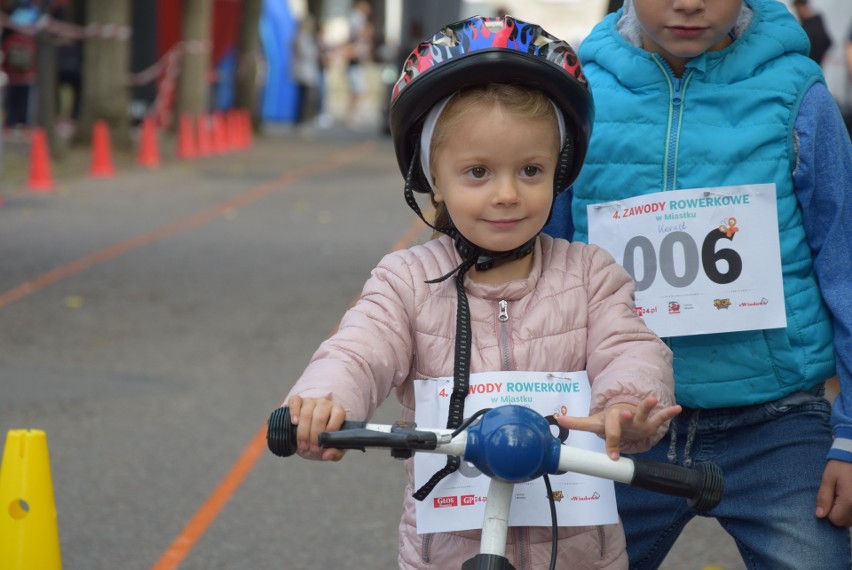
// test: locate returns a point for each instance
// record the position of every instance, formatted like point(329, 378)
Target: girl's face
point(679, 30)
point(494, 174)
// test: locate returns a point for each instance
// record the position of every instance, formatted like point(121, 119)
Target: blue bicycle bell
point(513, 444)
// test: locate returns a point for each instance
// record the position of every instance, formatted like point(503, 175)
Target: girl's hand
point(312, 416)
point(622, 422)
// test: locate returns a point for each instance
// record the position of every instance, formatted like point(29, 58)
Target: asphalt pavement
point(151, 321)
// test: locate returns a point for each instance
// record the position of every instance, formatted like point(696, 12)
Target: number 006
point(709, 259)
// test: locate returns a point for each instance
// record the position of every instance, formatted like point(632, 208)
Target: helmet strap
point(409, 189)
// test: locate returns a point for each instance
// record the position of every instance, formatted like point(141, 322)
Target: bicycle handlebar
point(702, 486)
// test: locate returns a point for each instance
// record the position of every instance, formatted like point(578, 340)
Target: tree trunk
point(46, 86)
point(248, 55)
point(194, 82)
point(106, 64)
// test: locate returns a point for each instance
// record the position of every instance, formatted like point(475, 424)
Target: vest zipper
point(677, 91)
point(503, 317)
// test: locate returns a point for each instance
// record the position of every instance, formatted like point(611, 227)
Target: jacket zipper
point(677, 92)
point(503, 317)
point(521, 537)
point(424, 551)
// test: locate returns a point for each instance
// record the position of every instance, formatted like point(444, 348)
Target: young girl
point(491, 117)
point(722, 93)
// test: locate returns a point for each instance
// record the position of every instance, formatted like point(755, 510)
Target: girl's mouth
point(686, 32)
point(504, 224)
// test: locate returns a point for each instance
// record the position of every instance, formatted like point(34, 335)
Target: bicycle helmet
point(481, 50)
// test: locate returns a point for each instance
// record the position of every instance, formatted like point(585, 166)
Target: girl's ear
point(437, 198)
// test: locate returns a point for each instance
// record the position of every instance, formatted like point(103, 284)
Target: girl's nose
point(506, 191)
point(688, 6)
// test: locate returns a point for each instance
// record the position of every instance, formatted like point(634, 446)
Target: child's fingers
point(644, 409)
point(336, 417)
point(612, 428)
point(295, 405)
point(664, 415)
point(303, 428)
point(319, 422)
point(332, 454)
point(591, 423)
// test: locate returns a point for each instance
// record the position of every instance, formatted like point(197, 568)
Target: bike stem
point(495, 522)
point(495, 529)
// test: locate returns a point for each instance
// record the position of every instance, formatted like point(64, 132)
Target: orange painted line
point(252, 195)
point(204, 517)
point(207, 513)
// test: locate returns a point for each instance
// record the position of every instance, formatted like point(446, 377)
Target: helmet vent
point(494, 25)
point(449, 39)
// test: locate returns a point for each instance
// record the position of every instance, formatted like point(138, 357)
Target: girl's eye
point(478, 172)
point(531, 170)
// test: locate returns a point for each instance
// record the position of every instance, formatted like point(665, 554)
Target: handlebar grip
point(281, 433)
point(702, 486)
point(399, 438)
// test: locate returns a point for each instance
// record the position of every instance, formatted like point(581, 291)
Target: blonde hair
point(527, 102)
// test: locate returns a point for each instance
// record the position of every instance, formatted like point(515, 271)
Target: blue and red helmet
point(481, 50)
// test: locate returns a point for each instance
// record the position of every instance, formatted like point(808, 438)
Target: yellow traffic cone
point(29, 537)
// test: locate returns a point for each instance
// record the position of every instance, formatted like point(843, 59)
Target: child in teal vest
point(697, 94)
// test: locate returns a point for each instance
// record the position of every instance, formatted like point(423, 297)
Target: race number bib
point(458, 501)
point(706, 260)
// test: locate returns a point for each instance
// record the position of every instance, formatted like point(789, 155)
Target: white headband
point(432, 120)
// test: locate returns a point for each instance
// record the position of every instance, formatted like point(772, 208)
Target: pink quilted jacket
point(574, 312)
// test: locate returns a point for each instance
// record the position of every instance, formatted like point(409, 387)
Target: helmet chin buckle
point(486, 260)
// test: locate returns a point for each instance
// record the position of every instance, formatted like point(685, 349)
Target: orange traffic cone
point(248, 133)
point(29, 534)
point(220, 135)
point(203, 128)
point(101, 165)
point(149, 151)
point(41, 177)
point(186, 139)
point(232, 129)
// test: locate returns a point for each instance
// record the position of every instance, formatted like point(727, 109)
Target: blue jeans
point(772, 456)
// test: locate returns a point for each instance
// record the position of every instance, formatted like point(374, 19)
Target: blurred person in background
point(306, 70)
point(19, 62)
point(815, 28)
point(357, 52)
point(69, 63)
point(614, 6)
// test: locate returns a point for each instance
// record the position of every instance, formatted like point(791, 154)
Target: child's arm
point(369, 355)
point(823, 181)
point(627, 363)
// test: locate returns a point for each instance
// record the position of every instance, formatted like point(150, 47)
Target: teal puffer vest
point(728, 121)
